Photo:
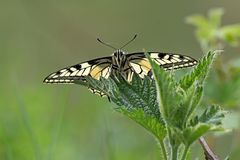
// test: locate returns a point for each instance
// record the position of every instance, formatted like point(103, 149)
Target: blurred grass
point(41, 121)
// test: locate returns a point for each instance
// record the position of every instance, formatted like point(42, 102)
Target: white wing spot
point(161, 61)
point(63, 70)
point(67, 74)
point(73, 69)
point(166, 57)
point(80, 73)
point(136, 67)
point(52, 75)
point(85, 65)
point(175, 67)
point(177, 56)
point(86, 72)
point(167, 61)
point(74, 73)
point(61, 75)
point(173, 61)
point(154, 55)
point(177, 59)
point(105, 72)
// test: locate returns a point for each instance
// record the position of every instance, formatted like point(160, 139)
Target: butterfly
point(119, 62)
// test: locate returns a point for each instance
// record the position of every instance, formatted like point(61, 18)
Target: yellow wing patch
point(141, 66)
point(100, 71)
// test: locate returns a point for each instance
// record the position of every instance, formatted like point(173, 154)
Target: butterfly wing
point(168, 61)
point(96, 68)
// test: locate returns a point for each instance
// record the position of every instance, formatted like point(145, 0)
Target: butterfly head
point(118, 53)
point(119, 57)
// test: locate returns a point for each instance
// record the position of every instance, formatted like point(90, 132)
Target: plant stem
point(185, 152)
point(209, 155)
point(163, 149)
point(174, 153)
point(174, 147)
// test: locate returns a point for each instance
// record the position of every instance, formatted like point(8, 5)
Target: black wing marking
point(168, 61)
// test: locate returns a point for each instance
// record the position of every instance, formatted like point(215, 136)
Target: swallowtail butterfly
point(119, 62)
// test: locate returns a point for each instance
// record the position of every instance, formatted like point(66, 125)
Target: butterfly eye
point(116, 54)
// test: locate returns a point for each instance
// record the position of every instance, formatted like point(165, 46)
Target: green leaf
point(149, 122)
point(197, 20)
point(139, 94)
point(199, 73)
point(137, 100)
point(191, 134)
point(210, 33)
point(231, 34)
point(202, 23)
point(194, 95)
point(212, 115)
point(192, 84)
point(107, 86)
point(166, 91)
point(210, 120)
point(215, 16)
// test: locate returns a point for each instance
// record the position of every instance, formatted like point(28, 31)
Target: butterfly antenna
point(106, 44)
point(134, 37)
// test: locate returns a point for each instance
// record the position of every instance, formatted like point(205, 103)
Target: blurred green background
point(58, 122)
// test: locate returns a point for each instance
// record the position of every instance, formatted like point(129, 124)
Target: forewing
point(96, 68)
point(168, 61)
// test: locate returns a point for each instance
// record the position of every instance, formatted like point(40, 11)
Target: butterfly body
point(120, 64)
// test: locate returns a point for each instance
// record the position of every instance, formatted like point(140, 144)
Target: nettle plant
point(224, 85)
point(211, 34)
point(165, 106)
